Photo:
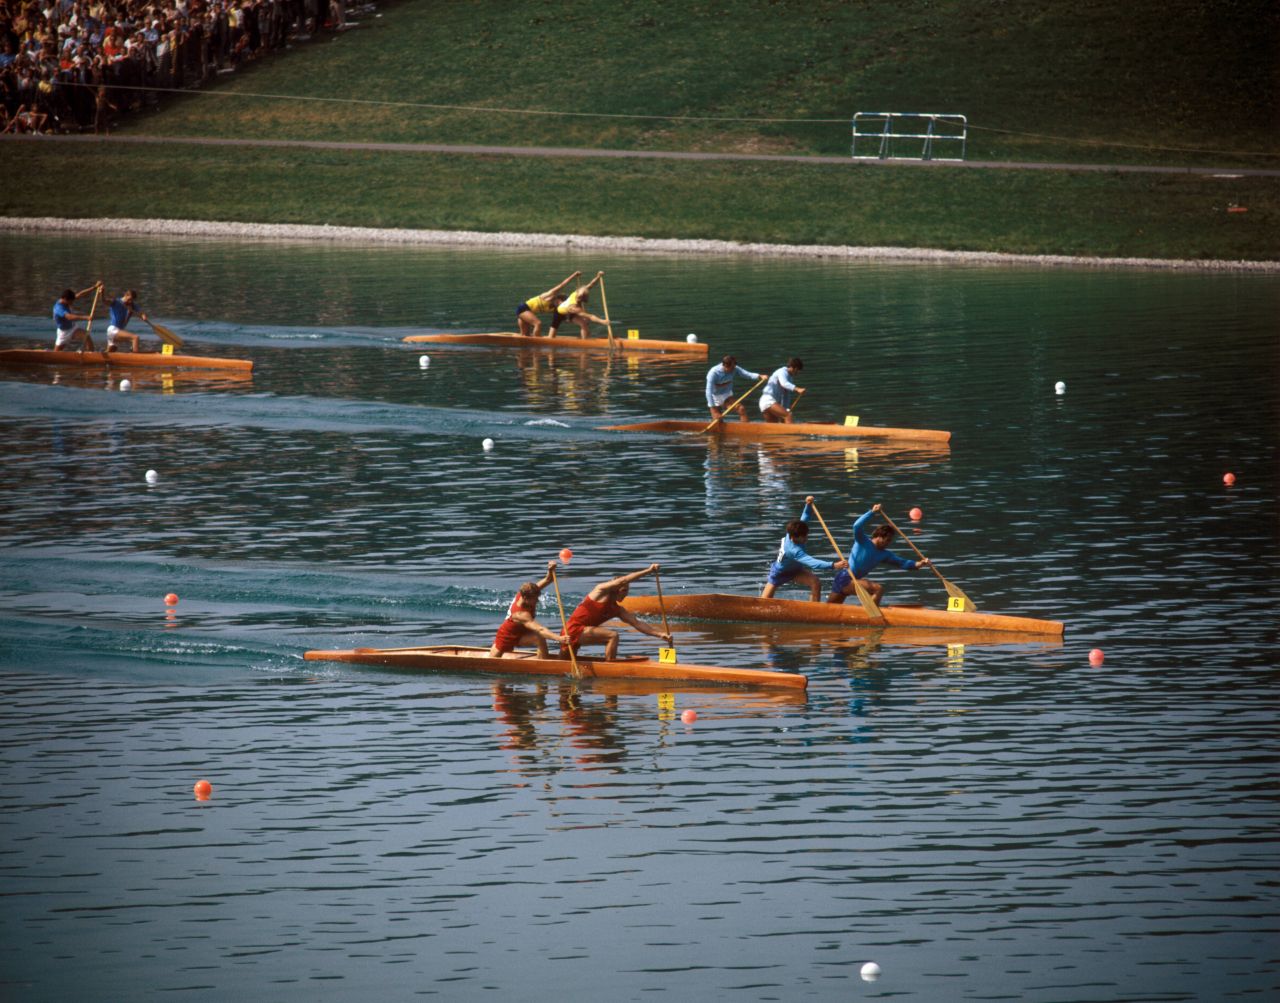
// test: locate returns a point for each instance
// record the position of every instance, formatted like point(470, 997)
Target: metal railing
point(916, 133)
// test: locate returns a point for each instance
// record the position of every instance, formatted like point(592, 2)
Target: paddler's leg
point(874, 589)
point(776, 413)
point(584, 327)
point(807, 577)
point(841, 586)
point(530, 325)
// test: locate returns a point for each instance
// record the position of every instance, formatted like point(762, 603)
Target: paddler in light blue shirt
point(794, 563)
point(776, 401)
point(720, 385)
point(868, 553)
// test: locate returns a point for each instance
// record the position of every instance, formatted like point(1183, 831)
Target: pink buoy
point(1228, 478)
point(202, 789)
point(689, 716)
point(916, 515)
point(566, 555)
point(171, 599)
point(1096, 657)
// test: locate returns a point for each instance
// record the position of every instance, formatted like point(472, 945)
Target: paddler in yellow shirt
point(573, 308)
point(527, 312)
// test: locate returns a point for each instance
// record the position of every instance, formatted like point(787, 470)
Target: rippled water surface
point(986, 818)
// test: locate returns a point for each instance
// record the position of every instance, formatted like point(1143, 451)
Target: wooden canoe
point(119, 360)
point(458, 658)
point(719, 606)
point(512, 340)
point(735, 429)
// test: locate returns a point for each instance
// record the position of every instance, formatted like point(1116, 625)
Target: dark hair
point(132, 293)
point(797, 529)
point(795, 363)
point(728, 360)
point(882, 532)
point(68, 294)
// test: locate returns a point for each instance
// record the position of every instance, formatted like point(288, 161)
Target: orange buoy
point(566, 555)
point(689, 716)
point(202, 789)
point(1096, 657)
point(171, 599)
point(1228, 478)
point(916, 515)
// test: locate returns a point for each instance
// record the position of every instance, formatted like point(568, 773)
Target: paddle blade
point(868, 604)
point(167, 336)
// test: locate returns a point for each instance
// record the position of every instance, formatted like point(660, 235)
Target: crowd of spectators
point(74, 65)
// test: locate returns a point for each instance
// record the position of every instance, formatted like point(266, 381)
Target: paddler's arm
point(626, 616)
point(86, 292)
point(604, 588)
point(859, 532)
point(555, 289)
point(543, 582)
point(599, 276)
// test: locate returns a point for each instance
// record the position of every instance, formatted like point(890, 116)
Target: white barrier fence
point(905, 135)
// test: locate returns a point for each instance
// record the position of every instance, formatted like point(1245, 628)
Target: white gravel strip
point(633, 245)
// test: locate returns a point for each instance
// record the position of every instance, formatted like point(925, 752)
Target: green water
point(985, 821)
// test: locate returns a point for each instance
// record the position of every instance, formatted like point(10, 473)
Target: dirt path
point(558, 151)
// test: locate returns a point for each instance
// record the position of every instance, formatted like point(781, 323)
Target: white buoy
point(1059, 387)
point(487, 444)
point(152, 477)
point(691, 338)
point(126, 385)
point(870, 971)
point(424, 361)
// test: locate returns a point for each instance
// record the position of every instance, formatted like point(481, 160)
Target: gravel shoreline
point(627, 245)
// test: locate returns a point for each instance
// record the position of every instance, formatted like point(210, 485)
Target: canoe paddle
point(167, 336)
point(864, 597)
point(564, 626)
point(796, 403)
point(87, 344)
point(608, 324)
point(953, 590)
point(729, 410)
point(662, 607)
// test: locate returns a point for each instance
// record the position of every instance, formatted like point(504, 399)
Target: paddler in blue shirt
point(776, 401)
point(527, 312)
point(794, 563)
point(66, 333)
point(122, 308)
point(720, 385)
point(869, 552)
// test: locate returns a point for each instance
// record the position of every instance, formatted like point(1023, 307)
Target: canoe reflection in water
point(555, 726)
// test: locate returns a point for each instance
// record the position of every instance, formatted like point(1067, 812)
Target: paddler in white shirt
point(720, 385)
point(574, 308)
point(779, 393)
point(527, 312)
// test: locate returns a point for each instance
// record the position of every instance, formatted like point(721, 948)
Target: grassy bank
point(1152, 78)
point(1163, 216)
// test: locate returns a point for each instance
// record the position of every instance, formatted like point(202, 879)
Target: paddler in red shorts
point(520, 629)
point(602, 604)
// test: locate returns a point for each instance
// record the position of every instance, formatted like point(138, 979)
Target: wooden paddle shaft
point(952, 589)
point(604, 302)
point(564, 624)
point(662, 606)
point(88, 327)
point(729, 410)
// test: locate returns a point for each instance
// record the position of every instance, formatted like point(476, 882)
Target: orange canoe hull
point(120, 360)
point(506, 340)
point(718, 606)
point(735, 429)
point(456, 658)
